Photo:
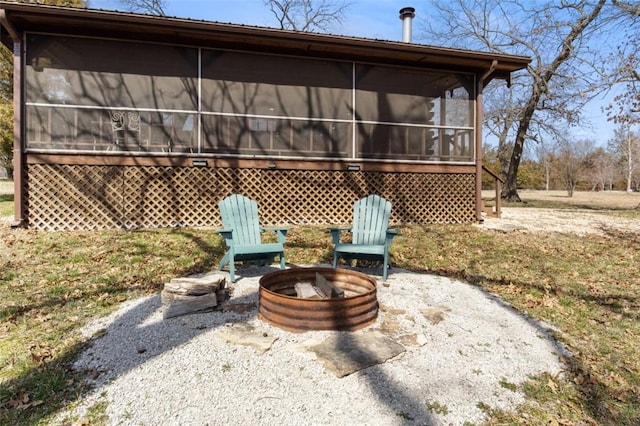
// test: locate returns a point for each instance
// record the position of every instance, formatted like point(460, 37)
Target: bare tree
point(549, 96)
point(154, 7)
point(600, 169)
point(71, 3)
point(308, 15)
point(625, 108)
point(500, 116)
point(572, 161)
point(545, 153)
point(625, 146)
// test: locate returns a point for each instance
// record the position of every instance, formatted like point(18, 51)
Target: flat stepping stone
point(347, 353)
point(247, 335)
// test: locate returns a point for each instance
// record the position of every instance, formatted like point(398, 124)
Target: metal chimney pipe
point(407, 14)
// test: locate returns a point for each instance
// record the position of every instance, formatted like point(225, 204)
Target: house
point(134, 121)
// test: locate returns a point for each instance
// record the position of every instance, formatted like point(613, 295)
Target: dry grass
point(585, 286)
point(6, 200)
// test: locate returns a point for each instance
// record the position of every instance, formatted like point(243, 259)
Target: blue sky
point(378, 19)
point(367, 18)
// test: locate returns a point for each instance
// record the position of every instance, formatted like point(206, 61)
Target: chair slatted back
point(241, 214)
point(370, 220)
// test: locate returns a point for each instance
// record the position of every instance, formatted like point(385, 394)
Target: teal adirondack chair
point(371, 237)
point(242, 234)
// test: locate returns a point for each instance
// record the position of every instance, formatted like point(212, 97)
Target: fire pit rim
point(312, 271)
point(302, 314)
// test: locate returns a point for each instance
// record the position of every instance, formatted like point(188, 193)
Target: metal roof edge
point(145, 22)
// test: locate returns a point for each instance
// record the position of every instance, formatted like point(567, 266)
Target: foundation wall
point(81, 197)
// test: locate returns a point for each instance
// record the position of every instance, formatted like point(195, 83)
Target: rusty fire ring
point(279, 306)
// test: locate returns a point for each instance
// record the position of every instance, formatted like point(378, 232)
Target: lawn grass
point(587, 287)
point(6, 205)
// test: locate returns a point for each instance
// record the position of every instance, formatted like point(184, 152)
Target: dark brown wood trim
point(479, 119)
point(243, 163)
point(493, 175)
point(19, 199)
point(9, 27)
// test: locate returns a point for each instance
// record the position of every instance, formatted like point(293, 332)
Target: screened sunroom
point(88, 95)
point(127, 120)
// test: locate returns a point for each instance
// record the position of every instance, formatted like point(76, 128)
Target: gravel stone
point(178, 371)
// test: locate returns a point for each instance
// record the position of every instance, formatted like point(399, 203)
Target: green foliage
point(436, 407)
point(6, 136)
point(6, 109)
point(530, 175)
point(491, 162)
point(6, 74)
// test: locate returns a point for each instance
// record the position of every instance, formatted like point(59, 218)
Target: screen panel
point(82, 71)
point(399, 95)
point(78, 89)
point(255, 84)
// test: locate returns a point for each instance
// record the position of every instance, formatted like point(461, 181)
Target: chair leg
point(385, 266)
point(228, 258)
point(232, 271)
point(335, 259)
point(282, 261)
point(224, 260)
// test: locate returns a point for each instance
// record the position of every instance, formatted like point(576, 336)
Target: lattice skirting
point(75, 197)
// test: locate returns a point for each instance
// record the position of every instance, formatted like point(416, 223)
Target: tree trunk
point(540, 87)
point(547, 175)
point(503, 147)
point(510, 188)
point(629, 162)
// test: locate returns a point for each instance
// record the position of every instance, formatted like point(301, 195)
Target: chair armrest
point(227, 234)
point(279, 230)
point(336, 231)
point(275, 228)
point(390, 234)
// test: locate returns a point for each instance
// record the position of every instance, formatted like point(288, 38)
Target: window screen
point(79, 71)
point(241, 83)
point(106, 95)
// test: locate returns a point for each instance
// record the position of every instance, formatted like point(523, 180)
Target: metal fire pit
point(278, 304)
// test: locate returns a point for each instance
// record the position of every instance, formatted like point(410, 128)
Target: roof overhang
point(17, 18)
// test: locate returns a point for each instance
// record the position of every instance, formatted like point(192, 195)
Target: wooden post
point(498, 199)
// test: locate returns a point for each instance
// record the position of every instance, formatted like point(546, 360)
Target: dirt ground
point(599, 200)
point(6, 186)
point(592, 213)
